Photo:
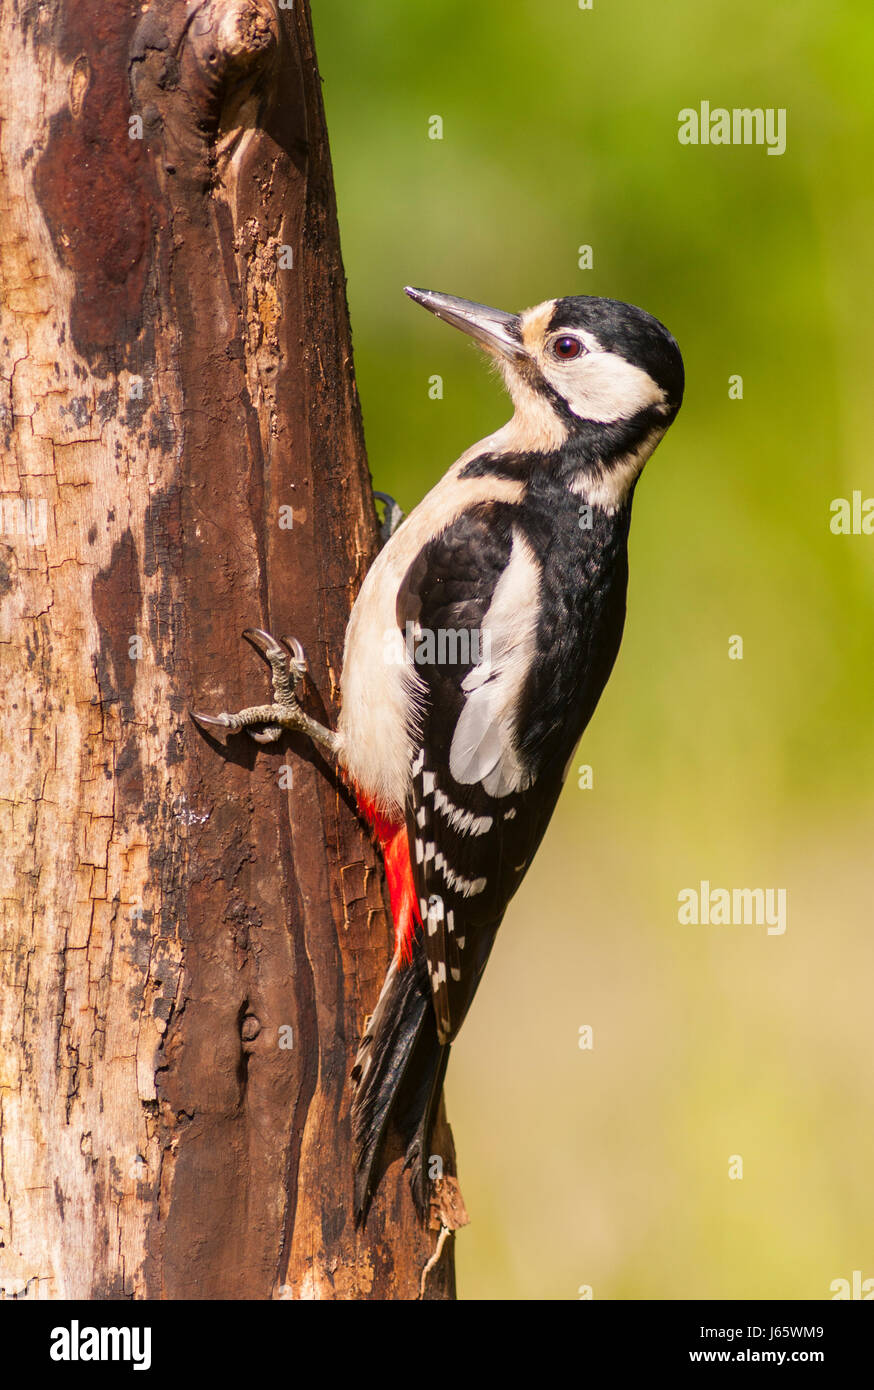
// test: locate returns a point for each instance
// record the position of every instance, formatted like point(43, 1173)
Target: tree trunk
point(190, 945)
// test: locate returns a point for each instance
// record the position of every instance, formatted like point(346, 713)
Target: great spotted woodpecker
point(475, 654)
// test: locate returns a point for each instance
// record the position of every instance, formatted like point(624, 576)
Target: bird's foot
point(391, 518)
point(265, 723)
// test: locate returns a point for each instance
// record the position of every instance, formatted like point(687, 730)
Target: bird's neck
point(602, 463)
point(597, 463)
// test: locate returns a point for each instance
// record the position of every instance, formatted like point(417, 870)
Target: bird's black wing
point(468, 607)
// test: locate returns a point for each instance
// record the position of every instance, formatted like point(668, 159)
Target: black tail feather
point(398, 1076)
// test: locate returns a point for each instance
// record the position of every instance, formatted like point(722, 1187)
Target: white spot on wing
point(465, 822)
point(467, 887)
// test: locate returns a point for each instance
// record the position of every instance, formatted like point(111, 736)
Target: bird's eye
point(566, 348)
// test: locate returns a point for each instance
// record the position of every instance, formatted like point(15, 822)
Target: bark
point(173, 392)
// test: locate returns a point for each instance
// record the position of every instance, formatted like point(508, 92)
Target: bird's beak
point(497, 331)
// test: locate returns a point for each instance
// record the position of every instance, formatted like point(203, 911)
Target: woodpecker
point(475, 655)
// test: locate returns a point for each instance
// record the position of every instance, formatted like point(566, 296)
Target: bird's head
point(580, 366)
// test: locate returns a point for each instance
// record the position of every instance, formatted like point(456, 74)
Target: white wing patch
point(483, 745)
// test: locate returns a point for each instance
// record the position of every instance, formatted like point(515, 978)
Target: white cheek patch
point(602, 386)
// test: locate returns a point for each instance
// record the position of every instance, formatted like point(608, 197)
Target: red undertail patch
point(391, 837)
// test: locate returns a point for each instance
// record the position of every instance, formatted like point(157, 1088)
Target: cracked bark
point(173, 391)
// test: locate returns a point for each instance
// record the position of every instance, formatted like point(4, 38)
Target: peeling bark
point(182, 457)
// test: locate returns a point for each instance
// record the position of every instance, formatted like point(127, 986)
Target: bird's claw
point(265, 642)
point(286, 655)
point(288, 664)
point(219, 725)
point(392, 516)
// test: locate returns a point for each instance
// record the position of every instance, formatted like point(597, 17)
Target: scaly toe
point(269, 734)
point(298, 662)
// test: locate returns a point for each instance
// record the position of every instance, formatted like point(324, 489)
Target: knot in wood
point(234, 39)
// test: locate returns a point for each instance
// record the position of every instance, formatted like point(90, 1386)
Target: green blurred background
point(609, 1167)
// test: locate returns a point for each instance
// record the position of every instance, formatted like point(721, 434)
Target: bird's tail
point(398, 1076)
